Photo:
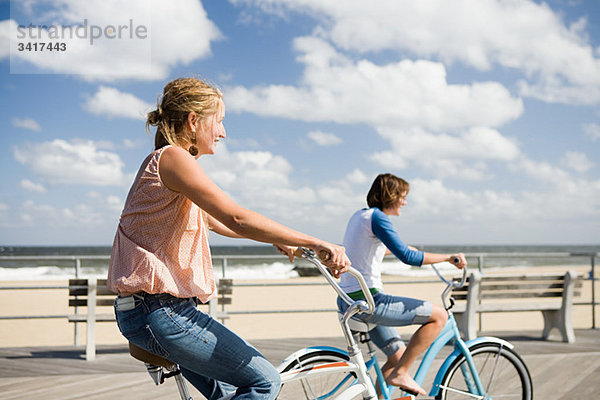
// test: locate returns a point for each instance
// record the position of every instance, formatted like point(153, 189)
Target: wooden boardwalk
point(559, 370)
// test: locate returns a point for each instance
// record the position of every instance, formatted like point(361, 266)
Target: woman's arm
point(382, 228)
point(432, 258)
point(180, 172)
point(216, 226)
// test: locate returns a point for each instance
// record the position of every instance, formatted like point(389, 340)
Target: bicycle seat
point(357, 325)
point(145, 356)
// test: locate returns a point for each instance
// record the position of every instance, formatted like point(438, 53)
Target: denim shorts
point(212, 358)
point(391, 311)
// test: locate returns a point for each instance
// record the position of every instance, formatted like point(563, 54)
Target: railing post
point(77, 267)
point(224, 267)
point(480, 267)
point(593, 277)
point(76, 325)
point(90, 346)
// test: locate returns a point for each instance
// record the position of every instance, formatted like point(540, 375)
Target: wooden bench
point(92, 293)
point(550, 293)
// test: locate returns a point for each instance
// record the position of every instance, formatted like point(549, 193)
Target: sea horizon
point(44, 262)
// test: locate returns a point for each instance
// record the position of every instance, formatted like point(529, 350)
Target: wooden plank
point(505, 307)
point(519, 295)
point(560, 371)
point(103, 291)
point(225, 290)
point(79, 302)
point(523, 277)
point(522, 286)
point(78, 287)
point(99, 317)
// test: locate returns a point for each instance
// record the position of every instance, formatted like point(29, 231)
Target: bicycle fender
point(307, 350)
point(454, 355)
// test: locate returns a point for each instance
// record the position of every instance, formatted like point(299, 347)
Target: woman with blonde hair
point(161, 263)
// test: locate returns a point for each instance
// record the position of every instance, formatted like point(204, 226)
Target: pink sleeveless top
point(161, 244)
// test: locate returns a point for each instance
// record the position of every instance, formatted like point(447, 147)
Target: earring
point(193, 150)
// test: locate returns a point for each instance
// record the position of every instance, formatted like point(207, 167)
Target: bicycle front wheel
point(503, 374)
point(320, 386)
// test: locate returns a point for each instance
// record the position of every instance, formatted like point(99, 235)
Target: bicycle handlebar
point(450, 284)
point(310, 256)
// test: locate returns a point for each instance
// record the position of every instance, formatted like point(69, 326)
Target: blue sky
point(490, 109)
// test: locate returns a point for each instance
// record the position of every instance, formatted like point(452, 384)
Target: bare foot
point(406, 383)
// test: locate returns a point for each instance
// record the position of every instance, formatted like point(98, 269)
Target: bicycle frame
point(357, 364)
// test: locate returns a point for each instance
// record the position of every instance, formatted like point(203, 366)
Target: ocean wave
point(276, 270)
point(41, 273)
point(264, 271)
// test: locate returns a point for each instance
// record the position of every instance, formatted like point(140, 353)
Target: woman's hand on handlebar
point(334, 257)
point(458, 260)
point(286, 250)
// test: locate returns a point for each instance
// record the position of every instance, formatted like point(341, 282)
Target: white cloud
point(576, 161)
point(592, 131)
point(324, 138)
point(26, 123)
point(97, 213)
point(177, 33)
point(540, 170)
point(72, 162)
point(400, 94)
point(530, 216)
point(111, 102)
point(464, 155)
point(258, 179)
point(357, 176)
point(557, 61)
point(32, 186)
point(114, 203)
point(265, 183)
point(438, 126)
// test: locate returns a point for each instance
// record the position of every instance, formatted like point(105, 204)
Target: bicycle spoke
point(501, 371)
point(307, 388)
point(464, 393)
point(497, 358)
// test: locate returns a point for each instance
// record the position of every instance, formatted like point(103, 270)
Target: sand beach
point(59, 332)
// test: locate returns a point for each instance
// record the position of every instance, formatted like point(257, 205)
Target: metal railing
point(224, 261)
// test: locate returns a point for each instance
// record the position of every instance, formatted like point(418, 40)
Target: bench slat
point(519, 295)
point(99, 317)
point(541, 285)
point(99, 302)
point(518, 307)
point(518, 278)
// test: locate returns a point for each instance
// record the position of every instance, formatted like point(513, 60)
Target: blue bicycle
point(482, 368)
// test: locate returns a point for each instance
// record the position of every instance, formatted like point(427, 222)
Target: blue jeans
point(392, 311)
point(211, 357)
